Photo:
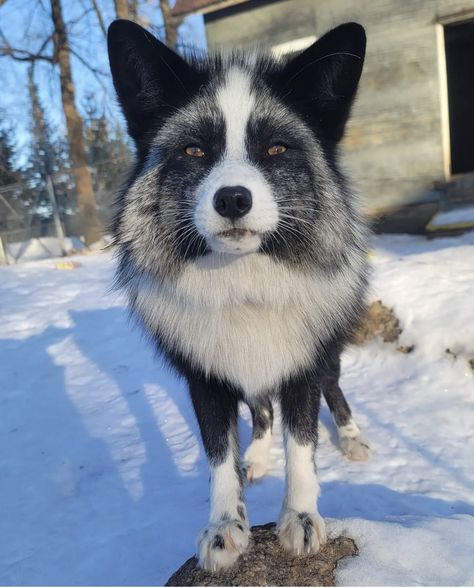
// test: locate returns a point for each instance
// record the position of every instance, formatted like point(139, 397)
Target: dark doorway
point(459, 43)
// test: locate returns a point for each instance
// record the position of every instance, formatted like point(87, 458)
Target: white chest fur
point(247, 319)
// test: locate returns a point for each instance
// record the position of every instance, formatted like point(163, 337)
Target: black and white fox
point(244, 255)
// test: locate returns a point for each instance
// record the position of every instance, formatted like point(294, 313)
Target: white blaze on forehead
point(236, 102)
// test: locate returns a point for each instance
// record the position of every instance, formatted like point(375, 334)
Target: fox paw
point(221, 544)
point(355, 448)
point(254, 470)
point(301, 532)
point(256, 458)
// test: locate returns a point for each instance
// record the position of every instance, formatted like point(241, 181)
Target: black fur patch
point(218, 542)
point(262, 416)
point(329, 384)
point(308, 527)
point(241, 512)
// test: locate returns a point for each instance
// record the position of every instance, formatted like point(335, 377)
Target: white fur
point(256, 456)
point(262, 217)
point(350, 430)
point(236, 103)
point(248, 319)
point(302, 487)
point(225, 489)
point(235, 540)
point(353, 444)
point(302, 491)
point(291, 533)
point(224, 519)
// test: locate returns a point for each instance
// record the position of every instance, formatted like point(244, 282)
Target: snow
point(426, 552)
point(458, 217)
point(40, 248)
point(103, 477)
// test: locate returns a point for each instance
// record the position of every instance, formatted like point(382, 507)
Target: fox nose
point(232, 201)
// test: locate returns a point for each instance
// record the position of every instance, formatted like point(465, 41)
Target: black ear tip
point(357, 30)
point(123, 29)
point(117, 26)
point(117, 29)
point(354, 33)
point(355, 27)
point(127, 33)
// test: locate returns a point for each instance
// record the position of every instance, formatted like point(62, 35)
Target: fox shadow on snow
point(70, 456)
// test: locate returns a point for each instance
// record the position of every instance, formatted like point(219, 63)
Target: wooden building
point(410, 143)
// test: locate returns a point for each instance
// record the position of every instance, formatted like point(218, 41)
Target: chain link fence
point(44, 221)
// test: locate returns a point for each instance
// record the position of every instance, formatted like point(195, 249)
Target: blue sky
point(26, 23)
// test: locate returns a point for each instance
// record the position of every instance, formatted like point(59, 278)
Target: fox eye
point(194, 151)
point(276, 149)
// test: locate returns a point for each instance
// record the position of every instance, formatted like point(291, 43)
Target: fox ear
point(321, 82)
point(149, 78)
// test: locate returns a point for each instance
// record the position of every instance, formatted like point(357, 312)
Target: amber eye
point(276, 149)
point(194, 151)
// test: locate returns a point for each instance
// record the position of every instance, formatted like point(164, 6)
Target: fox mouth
point(236, 234)
point(235, 240)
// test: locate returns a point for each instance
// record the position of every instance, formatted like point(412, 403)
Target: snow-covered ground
point(102, 476)
point(40, 248)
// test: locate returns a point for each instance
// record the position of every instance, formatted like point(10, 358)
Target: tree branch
point(97, 73)
point(99, 17)
point(171, 24)
point(23, 54)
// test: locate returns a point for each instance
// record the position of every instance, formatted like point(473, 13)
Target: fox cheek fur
point(243, 254)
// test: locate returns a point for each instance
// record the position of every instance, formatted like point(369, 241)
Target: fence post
point(3, 252)
point(57, 219)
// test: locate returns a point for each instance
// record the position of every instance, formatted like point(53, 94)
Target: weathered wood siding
point(261, 23)
point(394, 145)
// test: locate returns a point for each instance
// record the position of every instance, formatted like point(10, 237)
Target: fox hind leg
point(257, 455)
point(351, 440)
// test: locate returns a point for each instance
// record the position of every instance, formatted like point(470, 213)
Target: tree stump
point(267, 564)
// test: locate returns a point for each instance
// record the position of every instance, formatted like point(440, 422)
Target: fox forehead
point(235, 101)
point(234, 114)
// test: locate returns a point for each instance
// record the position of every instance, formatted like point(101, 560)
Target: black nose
point(232, 201)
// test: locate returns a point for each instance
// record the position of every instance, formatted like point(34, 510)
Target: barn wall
point(394, 146)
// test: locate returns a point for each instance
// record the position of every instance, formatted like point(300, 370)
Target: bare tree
point(122, 8)
point(42, 149)
point(171, 24)
point(129, 9)
point(133, 6)
point(6, 50)
point(92, 227)
point(98, 13)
